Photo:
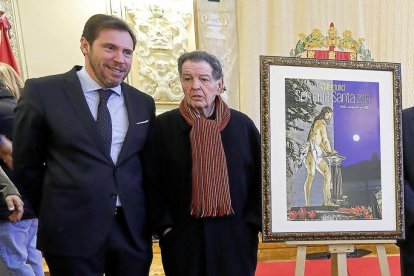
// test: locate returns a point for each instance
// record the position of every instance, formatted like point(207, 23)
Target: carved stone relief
point(217, 34)
point(163, 34)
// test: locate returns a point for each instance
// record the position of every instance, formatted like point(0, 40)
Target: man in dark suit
point(407, 245)
point(78, 141)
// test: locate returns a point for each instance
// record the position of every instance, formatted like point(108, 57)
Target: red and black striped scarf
point(210, 180)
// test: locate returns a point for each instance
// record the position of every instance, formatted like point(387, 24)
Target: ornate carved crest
point(162, 33)
point(331, 46)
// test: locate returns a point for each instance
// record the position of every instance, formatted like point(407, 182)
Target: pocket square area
point(143, 122)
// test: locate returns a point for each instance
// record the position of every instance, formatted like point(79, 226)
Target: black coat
point(407, 245)
point(7, 105)
point(62, 169)
point(207, 246)
point(408, 150)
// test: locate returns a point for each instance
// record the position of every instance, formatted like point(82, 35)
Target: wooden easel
point(338, 250)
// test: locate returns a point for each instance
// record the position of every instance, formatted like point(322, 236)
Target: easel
point(338, 250)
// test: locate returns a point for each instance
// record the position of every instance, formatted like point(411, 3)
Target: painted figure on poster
point(313, 152)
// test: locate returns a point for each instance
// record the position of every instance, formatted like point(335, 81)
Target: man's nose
point(196, 83)
point(119, 57)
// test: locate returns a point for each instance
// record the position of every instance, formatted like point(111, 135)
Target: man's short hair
point(98, 22)
point(202, 56)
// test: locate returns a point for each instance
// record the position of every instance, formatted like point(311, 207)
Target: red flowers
point(292, 215)
point(312, 214)
point(302, 214)
point(342, 213)
point(358, 212)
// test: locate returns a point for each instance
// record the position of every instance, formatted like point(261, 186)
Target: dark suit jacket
point(213, 246)
point(61, 167)
point(408, 158)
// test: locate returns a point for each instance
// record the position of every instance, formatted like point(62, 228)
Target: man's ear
point(84, 46)
point(220, 87)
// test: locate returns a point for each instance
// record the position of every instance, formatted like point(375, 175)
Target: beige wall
point(50, 31)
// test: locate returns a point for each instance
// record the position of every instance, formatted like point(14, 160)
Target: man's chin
point(198, 104)
point(112, 83)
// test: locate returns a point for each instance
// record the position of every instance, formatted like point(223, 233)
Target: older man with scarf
point(205, 183)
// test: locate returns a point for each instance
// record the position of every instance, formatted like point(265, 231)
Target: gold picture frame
point(338, 181)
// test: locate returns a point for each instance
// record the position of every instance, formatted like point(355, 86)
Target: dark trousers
point(407, 252)
point(407, 258)
point(119, 256)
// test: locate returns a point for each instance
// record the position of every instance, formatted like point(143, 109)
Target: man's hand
point(15, 204)
point(6, 150)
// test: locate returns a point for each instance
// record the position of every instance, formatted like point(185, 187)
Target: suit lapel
point(131, 116)
point(73, 91)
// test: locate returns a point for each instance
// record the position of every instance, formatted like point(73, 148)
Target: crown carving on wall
point(331, 46)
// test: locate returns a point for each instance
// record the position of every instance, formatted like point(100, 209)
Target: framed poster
point(331, 150)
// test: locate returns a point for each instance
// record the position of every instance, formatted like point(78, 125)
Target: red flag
point(6, 52)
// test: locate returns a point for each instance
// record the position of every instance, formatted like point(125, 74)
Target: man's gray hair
point(202, 56)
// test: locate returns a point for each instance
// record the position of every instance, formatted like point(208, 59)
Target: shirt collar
point(212, 110)
point(89, 85)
